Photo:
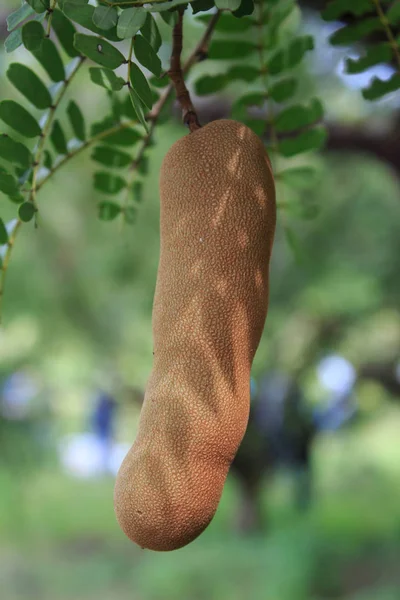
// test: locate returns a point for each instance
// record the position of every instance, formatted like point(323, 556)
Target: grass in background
point(60, 541)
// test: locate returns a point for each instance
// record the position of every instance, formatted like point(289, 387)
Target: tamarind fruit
point(217, 225)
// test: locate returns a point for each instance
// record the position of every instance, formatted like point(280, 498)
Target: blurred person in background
point(103, 425)
point(25, 418)
point(94, 451)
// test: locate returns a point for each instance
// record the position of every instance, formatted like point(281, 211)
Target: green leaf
point(58, 139)
point(3, 233)
point(337, 8)
point(128, 110)
point(65, 31)
point(17, 117)
point(111, 157)
point(156, 95)
point(239, 108)
point(312, 139)
point(32, 35)
point(130, 214)
point(380, 53)
point(14, 152)
point(108, 183)
point(246, 8)
point(101, 126)
point(201, 5)
point(228, 23)
point(130, 21)
point(171, 18)
point(150, 32)
point(17, 17)
point(17, 199)
point(393, 14)
point(229, 49)
point(50, 59)
point(83, 15)
point(379, 88)
point(116, 107)
point(77, 121)
point(143, 166)
point(39, 6)
point(29, 84)
point(290, 56)
point(137, 191)
point(228, 4)
point(138, 108)
point(63, 3)
point(158, 82)
point(244, 73)
point(146, 55)
point(48, 162)
point(105, 17)
point(253, 99)
point(125, 137)
point(99, 51)
point(296, 117)
point(210, 84)
point(13, 41)
point(256, 125)
point(283, 90)
point(9, 229)
point(294, 244)
point(304, 209)
point(299, 178)
point(8, 184)
point(355, 32)
point(106, 79)
point(277, 17)
point(140, 85)
point(26, 211)
point(24, 174)
point(108, 210)
point(165, 5)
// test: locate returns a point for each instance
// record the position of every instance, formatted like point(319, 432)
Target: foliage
point(260, 44)
point(386, 15)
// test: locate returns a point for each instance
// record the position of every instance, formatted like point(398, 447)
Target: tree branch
point(36, 164)
point(4, 266)
point(348, 18)
point(47, 129)
point(50, 12)
point(81, 148)
point(388, 32)
point(198, 54)
point(352, 138)
point(175, 73)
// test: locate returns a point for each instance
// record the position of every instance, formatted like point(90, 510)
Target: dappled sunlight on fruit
point(205, 334)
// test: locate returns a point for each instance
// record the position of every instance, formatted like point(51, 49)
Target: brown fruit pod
point(217, 226)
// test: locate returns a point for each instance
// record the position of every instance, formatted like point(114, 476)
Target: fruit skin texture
point(217, 227)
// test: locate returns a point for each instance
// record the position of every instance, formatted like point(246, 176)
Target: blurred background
point(311, 509)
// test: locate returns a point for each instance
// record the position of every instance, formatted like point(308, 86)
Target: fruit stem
point(175, 73)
